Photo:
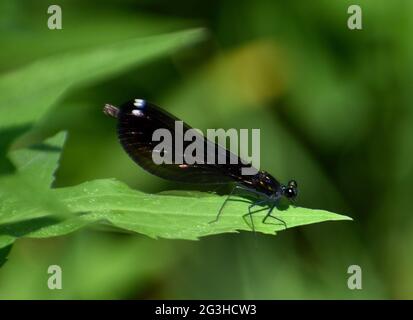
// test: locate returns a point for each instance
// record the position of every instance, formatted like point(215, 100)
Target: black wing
point(137, 121)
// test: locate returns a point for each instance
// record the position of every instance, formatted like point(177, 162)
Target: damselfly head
point(290, 191)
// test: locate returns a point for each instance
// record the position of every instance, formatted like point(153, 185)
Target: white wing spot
point(137, 113)
point(139, 103)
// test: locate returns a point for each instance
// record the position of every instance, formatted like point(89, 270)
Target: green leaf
point(28, 93)
point(41, 160)
point(175, 217)
point(166, 216)
point(30, 209)
point(4, 252)
point(29, 187)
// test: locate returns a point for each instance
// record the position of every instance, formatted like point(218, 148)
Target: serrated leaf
point(166, 216)
point(177, 217)
point(29, 212)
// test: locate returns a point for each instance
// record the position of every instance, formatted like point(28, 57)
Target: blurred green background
point(335, 111)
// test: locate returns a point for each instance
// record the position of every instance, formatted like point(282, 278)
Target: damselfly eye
point(290, 192)
point(292, 184)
